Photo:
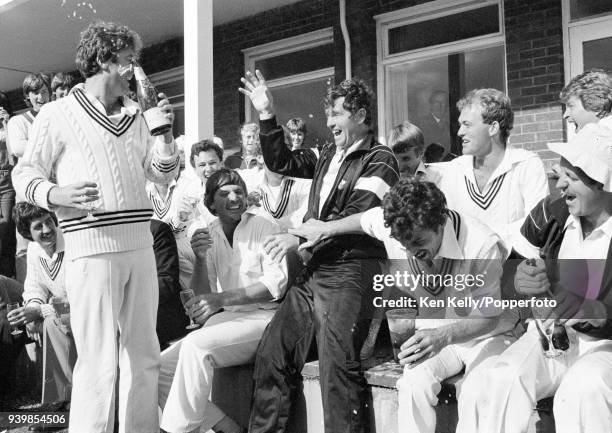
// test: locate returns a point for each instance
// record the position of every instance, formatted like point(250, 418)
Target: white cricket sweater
point(73, 140)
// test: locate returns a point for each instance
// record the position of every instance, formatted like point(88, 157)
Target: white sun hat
point(590, 150)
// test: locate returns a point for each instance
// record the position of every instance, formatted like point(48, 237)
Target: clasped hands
point(531, 280)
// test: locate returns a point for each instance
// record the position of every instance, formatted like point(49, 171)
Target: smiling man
point(93, 148)
point(45, 280)
point(334, 302)
point(588, 99)
point(492, 181)
point(425, 239)
point(240, 283)
point(578, 273)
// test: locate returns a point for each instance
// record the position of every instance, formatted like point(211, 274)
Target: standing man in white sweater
point(93, 148)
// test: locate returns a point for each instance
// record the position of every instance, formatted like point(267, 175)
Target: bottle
point(156, 121)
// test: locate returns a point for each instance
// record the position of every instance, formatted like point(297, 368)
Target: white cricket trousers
point(419, 386)
point(113, 308)
point(227, 339)
point(581, 381)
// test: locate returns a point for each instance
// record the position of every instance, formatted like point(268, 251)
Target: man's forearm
point(199, 279)
point(251, 294)
point(348, 225)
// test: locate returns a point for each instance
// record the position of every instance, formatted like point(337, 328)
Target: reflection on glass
point(587, 8)
point(303, 99)
point(425, 91)
point(598, 53)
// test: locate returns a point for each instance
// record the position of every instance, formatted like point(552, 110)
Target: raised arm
point(278, 157)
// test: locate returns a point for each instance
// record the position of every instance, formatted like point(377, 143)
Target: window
point(298, 71)
point(424, 68)
point(172, 83)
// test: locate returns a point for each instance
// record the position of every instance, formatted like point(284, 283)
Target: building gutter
point(347, 40)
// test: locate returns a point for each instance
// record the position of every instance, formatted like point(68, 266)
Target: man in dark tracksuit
point(334, 301)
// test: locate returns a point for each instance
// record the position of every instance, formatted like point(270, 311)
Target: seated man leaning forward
point(580, 377)
point(423, 237)
point(233, 314)
point(44, 281)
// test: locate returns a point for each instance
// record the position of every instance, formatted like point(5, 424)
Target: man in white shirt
point(492, 181)
point(44, 281)
point(241, 283)
point(581, 376)
point(36, 92)
point(94, 146)
point(424, 238)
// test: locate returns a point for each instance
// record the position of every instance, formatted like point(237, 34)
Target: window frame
point(426, 12)
point(293, 44)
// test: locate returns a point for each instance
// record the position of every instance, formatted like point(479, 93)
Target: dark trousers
point(334, 304)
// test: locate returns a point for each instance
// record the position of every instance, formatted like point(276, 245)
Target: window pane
point(425, 92)
point(464, 25)
point(598, 54)
point(303, 100)
point(586, 8)
point(295, 63)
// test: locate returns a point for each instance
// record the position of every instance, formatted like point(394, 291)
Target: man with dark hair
point(94, 146)
point(334, 301)
point(240, 284)
point(45, 280)
point(61, 84)
point(438, 247)
point(36, 92)
point(492, 182)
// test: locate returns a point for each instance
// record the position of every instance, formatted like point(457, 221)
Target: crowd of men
point(281, 245)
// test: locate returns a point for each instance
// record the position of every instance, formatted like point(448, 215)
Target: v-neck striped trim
point(29, 116)
point(161, 206)
point(284, 200)
point(53, 267)
point(100, 118)
point(484, 200)
point(445, 267)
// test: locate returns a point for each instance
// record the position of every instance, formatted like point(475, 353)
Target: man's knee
point(577, 388)
point(419, 381)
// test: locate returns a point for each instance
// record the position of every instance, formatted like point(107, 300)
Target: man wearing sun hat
point(581, 378)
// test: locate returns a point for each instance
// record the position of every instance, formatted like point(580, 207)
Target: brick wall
point(534, 47)
point(533, 44)
point(231, 38)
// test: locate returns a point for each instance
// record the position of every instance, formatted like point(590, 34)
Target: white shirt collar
point(342, 154)
point(573, 223)
point(449, 248)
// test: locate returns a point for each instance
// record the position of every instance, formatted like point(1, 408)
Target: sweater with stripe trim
point(73, 140)
point(514, 188)
point(45, 276)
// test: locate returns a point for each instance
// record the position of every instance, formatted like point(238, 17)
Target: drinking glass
point(186, 295)
point(62, 310)
point(10, 307)
point(401, 327)
point(91, 207)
